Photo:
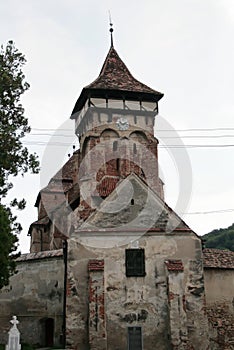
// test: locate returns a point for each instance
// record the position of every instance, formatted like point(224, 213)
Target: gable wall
point(137, 301)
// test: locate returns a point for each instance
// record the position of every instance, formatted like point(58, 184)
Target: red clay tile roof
point(174, 265)
point(40, 255)
point(69, 169)
point(217, 258)
point(64, 179)
point(44, 221)
point(115, 75)
point(73, 194)
point(41, 222)
point(115, 80)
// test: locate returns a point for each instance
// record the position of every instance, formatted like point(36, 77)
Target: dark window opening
point(117, 164)
point(132, 201)
point(134, 149)
point(135, 338)
point(135, 119)
point(115, 145)
point(75, 203)
point(135, 262)
point(109, 117)
point(142, 173)
point(49, 332)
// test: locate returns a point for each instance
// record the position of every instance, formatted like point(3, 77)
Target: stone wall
point(219, 288)
point(35, 296)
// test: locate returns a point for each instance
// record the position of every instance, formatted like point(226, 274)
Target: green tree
point(8, 244)
point(15, 159)
point(222, 238)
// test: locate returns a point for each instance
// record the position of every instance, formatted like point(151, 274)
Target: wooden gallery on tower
point(111, 265)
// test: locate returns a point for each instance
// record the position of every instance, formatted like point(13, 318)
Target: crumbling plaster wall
point(219, 289)
point(137, 301)
point(34, 294)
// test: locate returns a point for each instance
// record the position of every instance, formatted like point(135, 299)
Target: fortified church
point(111, 265)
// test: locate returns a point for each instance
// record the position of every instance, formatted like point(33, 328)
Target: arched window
point(108, 134)
point(85, 146)
point(139, 136)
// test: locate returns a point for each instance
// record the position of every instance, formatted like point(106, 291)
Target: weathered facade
point(219, 289)
point(35, 295)
point(132, 270)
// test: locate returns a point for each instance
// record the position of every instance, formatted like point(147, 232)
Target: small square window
point(135, 262)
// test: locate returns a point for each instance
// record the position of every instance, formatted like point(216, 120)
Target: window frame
point(141, 336)
point(132, 268)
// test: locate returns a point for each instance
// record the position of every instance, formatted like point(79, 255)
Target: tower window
point(134, 149)
point(115, 145)
point(117, 164)
point(135, 262)
point(109, 117)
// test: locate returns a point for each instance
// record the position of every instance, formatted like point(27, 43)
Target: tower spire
point(111, 29)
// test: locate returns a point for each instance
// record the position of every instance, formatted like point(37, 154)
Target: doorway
point(49, 332)
point(135, 338)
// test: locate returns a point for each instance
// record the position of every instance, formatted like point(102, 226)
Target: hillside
point(222, 238)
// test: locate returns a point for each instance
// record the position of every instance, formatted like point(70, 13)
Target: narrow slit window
point(117, 164)
point(134, 148)
point(115, 145)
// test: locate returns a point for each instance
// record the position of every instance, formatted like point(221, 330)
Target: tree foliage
point(222, 238)
point(8, 244)
point(15, 159)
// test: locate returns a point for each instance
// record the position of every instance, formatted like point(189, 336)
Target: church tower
point(114, 120)
point(134, 267)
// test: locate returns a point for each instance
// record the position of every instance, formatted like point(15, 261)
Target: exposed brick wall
point(97, 322)
point(177, 312)
point(221, 319)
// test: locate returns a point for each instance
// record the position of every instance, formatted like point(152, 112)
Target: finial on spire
point(111, 29)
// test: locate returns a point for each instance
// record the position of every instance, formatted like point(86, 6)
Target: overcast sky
point(183, 48)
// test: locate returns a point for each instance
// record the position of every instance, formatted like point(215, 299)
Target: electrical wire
point(161, 130)
point(53, 143)
point(221, 211)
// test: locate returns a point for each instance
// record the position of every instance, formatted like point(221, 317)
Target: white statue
point(13, 336)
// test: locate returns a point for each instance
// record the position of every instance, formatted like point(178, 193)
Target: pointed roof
point(115, 75)
point(116, 81)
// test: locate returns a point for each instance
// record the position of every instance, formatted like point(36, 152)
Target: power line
point(198, 129)
point(221, 211)
point(196, 137)
point(196, 146)
point(161, 130)
point(44, 143)
point(163, 137)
